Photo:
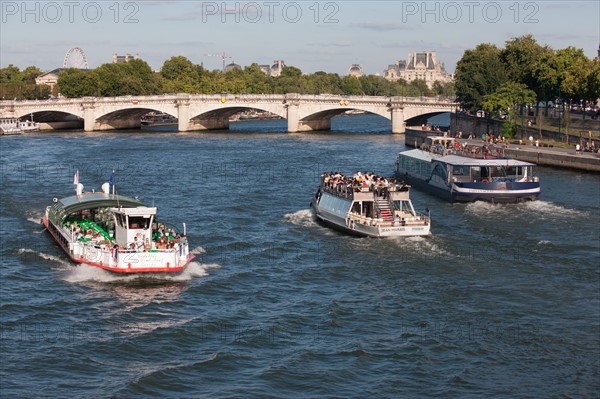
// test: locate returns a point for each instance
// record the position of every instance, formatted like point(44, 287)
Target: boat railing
point(345, 191)
point(417, 219)
point(473, 151)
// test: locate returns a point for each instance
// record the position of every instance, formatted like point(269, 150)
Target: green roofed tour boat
point(115, 233)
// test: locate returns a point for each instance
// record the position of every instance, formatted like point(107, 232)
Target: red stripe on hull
point(134, 271)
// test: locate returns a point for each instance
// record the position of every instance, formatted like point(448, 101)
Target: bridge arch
point(128, 118)
point(216, 116)
point(421, 119)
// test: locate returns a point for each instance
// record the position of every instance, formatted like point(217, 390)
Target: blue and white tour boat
point(463, 173)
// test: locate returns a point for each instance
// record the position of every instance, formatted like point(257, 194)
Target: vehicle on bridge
point(115, 233)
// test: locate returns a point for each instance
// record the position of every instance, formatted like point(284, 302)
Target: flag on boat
point(76, 178)
point(111, 179)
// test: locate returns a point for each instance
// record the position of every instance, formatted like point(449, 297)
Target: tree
point(30, 73)
point(73, 82)
point(181, 75)
point(563, 70)
point(519, 56)
point(505, 102)
point(351, 86)
point(10, 74)
point(479, 72)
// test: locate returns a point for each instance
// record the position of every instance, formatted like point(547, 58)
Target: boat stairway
point(384, 209)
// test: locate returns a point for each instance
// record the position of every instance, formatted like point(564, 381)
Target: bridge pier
point(398, 125)
point(183, 114)
point(89, 119)
point(209, 123)
point(293, 117)
point(314, 124)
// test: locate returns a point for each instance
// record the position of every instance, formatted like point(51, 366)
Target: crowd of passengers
point(336, 181)
point(163, 238)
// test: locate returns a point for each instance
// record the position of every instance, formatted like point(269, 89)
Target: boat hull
point(364, 230)
point(470, 192)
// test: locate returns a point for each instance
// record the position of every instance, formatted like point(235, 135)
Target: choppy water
point(502, 301)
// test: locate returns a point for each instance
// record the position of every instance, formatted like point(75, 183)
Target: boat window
point(476, 172)
point(138, 222)
point(497, 171)
point(460, 170)
point(403, 208)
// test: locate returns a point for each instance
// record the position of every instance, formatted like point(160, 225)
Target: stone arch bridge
point(201, 112)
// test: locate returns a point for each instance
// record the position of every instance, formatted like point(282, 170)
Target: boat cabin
point(133, 225)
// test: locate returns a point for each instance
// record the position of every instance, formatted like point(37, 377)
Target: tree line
point(180, 75)
point(524, 72)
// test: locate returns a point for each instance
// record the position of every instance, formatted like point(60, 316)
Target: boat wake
point(303, 218)
point(539, 208)
point(549, 208)
point(53, 258)
point(424, 246)
point(34, 216)
point(85, 273)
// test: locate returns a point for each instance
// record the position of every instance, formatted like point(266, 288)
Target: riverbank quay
point(544, 156)
point(581, 131)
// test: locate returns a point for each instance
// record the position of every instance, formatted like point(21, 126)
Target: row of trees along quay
point(503, 82)
point(507, 83)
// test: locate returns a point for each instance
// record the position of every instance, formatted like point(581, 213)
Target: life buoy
point(485, 181)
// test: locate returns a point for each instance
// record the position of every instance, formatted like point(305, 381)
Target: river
point(501, 301)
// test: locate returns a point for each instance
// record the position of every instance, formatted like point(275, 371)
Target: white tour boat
point(368, 206)
point(11, 126)
point(115, 233)
point(462, 173)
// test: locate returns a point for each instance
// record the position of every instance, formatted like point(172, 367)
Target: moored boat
point(463, 173)
point(115, 233)
point(12, 126)
point(369, 206)
point(159, 121)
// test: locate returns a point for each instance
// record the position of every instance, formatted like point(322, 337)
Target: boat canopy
point(463, 161)
point(96, 200)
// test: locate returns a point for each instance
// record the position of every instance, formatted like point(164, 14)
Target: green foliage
point(505, 102)
point(73, 82)
point(479, 72)
point(565, 73)
point(180, 76)
point(509, 129)
point(15, 83)
point(10, 74)
point(564, 70)
point(520, 56)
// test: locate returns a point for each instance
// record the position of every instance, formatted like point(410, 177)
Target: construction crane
point(222, 56)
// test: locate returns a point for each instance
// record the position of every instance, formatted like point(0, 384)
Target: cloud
point(338, 43)
point(382, 27)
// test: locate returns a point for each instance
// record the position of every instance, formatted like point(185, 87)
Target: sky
point(311, 35)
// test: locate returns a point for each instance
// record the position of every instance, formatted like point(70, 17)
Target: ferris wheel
point(75, 58)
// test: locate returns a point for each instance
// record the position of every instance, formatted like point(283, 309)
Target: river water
point(502, 300)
